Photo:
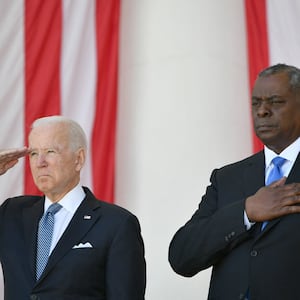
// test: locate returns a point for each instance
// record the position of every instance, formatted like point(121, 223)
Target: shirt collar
point(70, 201)
point(290, 153)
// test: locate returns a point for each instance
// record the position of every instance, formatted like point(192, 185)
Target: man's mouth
point(265, 127)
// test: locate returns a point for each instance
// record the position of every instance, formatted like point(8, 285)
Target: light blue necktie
point(274, 175)
point(44, 240)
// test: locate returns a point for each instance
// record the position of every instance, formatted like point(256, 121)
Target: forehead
point(49, 135)
point(277, 84)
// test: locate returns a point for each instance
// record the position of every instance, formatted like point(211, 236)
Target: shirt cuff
point(247, 223)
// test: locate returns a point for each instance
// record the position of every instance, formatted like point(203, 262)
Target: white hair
point(76, 133)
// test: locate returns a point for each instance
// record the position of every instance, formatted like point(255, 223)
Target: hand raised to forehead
point(9, 157)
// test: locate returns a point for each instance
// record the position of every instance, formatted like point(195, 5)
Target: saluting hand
point(9, 157)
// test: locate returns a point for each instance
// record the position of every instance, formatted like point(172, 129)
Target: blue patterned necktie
point(44, 240)
point(274, 175)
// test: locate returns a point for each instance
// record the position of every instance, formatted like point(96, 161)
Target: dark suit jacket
point(267, 262)
point(114, 269)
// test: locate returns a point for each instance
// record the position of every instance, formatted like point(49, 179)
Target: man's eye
point(276, 101)
point(32, 154)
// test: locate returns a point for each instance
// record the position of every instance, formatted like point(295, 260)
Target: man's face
point(54, 167)
point(275, 111)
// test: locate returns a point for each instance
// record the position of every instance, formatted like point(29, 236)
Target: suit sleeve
point(215, 228)
point(126, 268)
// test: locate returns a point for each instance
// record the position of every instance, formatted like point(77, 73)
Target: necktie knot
point(53, 208)
point(278, 161)
point(276, 172)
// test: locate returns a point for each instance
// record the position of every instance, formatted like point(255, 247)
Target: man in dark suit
point(250, 261)
point(96, 249)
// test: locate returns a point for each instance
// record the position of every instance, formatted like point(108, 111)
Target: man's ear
point(80, 158)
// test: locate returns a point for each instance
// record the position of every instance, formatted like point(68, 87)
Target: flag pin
point(87, 217)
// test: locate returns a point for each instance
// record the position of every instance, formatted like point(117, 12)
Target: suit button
point(34, 297)
point(229, 236)
point(253, 253)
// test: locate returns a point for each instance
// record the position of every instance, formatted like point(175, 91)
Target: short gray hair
point(77, 136)
point(292, 72)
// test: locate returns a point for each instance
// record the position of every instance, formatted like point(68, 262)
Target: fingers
point(273, 201)
point(291, 194)
point(279, 182)
point(281, 187)
point(9, 157)
point(4, 167)
point(285, 200)
point(12, 154)
point(10, 164)
point(293, 209)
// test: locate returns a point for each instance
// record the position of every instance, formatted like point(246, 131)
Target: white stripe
point(78, 68)
point(12, 90)
point(284, 39)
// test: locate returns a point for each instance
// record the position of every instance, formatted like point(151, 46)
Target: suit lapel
point(294, 175)
point(254, 176)
point(83, 220)
point(253, 181)
point(31, 216)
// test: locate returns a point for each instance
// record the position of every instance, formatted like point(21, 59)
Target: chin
point(266, 137)
point(42, 188)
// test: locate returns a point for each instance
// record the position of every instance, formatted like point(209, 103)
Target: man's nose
point(41, 160)
point(264, 109)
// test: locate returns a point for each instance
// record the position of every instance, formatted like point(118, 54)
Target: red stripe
point(43, 21)
point(258, 50)
point(103, 137)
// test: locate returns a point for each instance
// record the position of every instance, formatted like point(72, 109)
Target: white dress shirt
point(290, 154)
point(70, 202)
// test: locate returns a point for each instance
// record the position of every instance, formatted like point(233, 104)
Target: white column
point(183, 110)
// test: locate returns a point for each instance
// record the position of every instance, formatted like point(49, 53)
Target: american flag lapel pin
point(87, 217)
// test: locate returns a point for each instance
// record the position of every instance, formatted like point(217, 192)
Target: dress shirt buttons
point(253, 253)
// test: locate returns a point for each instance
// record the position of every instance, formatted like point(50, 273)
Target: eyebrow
point(267, 98)
point(44, 149)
